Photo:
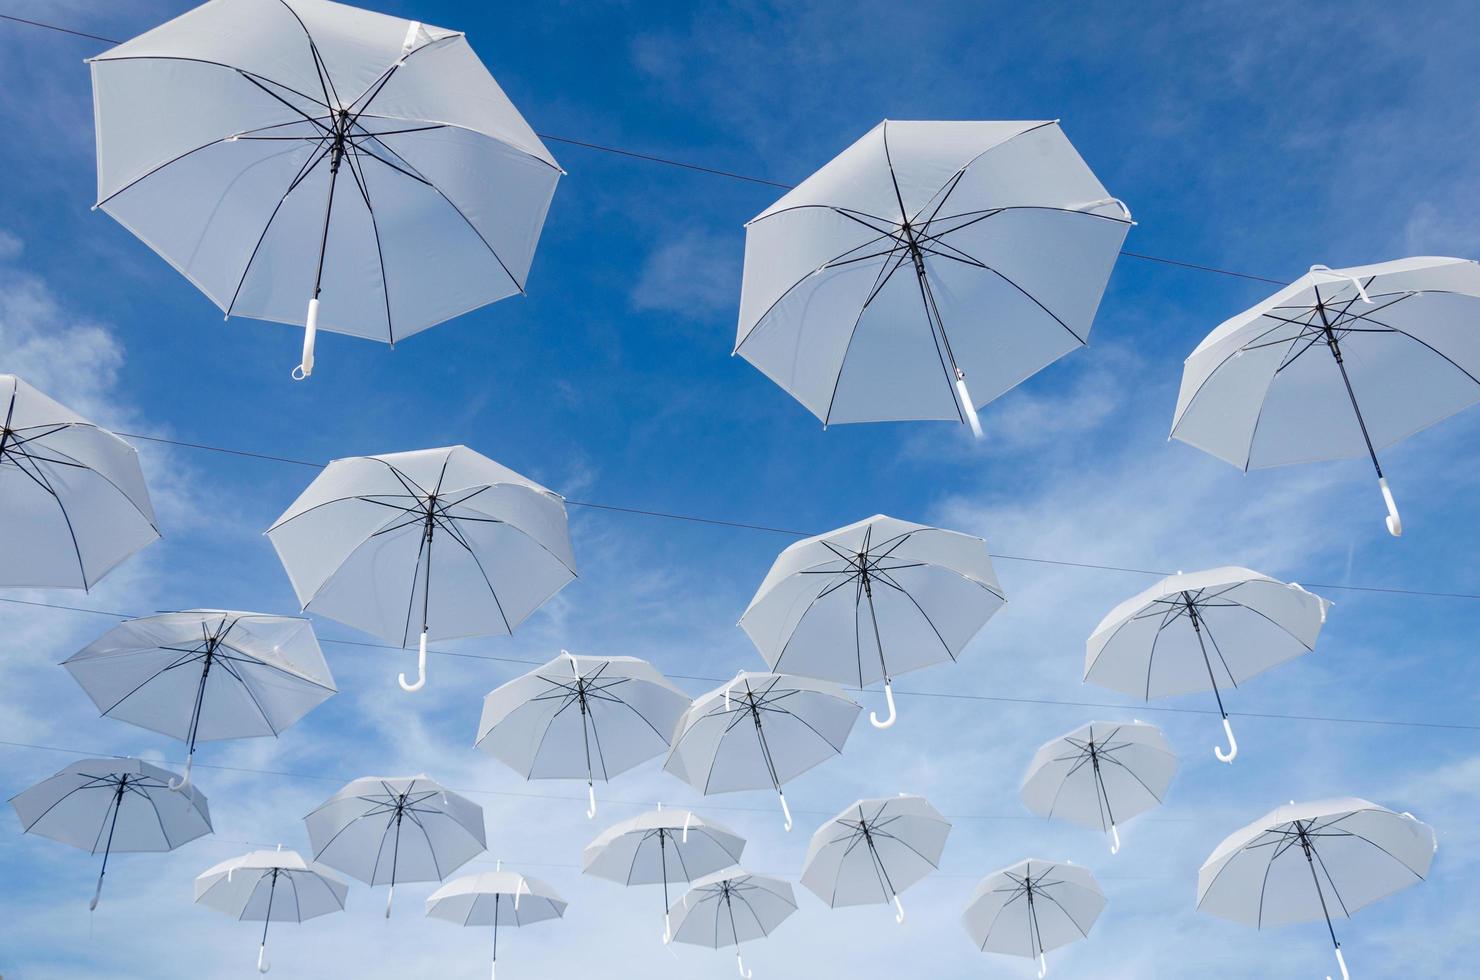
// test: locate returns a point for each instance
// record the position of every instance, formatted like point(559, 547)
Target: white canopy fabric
point(495, 898)
point(268, 887)
point(581, 718)
point(873, 600)
point(1339, 364)
point(438, 543)
point(205, 674)
point(113, 805)
point(926, 254)
point(1032, 907)
point(759, 731)
point(1202, 631)
point(1100, 774)
point(75, 503)
point(731, 907)
point(1307, 862)
point(874, 850)
point(271, 151)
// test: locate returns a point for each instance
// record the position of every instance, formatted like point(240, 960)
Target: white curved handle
point(523, 886)
point(1341, 962)
point(92, 906)
point(740, 964)
point(967, 408)
point(873, 717)
point(1232, 752)
point(785, 810)
point(898, 910)
point(590, 802)
point(180, 785)
point(421, 667)
point(1042, 965)
point(667, 933)
point(1326, 270)
point(262, 965)
point(310, 331)
point(390, 897)
point(1394, 522)
point(686, 818)
point(1115, 833)
point(731, 684)
point(493, 970)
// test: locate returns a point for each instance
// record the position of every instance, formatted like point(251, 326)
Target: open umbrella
point(731, 907)
point(435, 543)
point(1033, 907)
point(268, 887)
point(75, 504)
point(387, 829)
point(494, 898)
point(301, 150)
point(1100, 774)
point(925, 254)
point(874, 850)
point(662, 846)
point(1339, 364)
point(581, 718)
point(759, 731)
point(873, 600)
point(1195, 632)
point(1309, 861)
point(120, 805)
point(205, 674)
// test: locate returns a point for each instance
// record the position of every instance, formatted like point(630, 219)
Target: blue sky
point(1258, 137)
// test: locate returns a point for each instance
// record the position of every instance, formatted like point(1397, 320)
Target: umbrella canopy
point(1100, 774)
point(581, 717)
point(205, 674)
point(387, 829)
point(662, 845)
point(731, 907)
point(282, 153)
point(495, 898)
point(268, 887)
point(874, 850)
point(1339, 364)
point(873, 600)
point(1033, 907)
point(1309, 861)
point(114, 804)
point(925, 254)
point(1202, 630)
point(759, 731)
point(75, 501)
point(438, 543)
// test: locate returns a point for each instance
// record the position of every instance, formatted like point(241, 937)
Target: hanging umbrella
point(288, 152)
point(1339, 364)
point(731, 907)
point(205, 674)
point(439, 543)
point(873, 600)
point(925, 254)
point(1194, 632)
point(581, 718)
point(122, 805)
point(759, 731)
point(1100, 774)
point(1033, 907)
point(874, 850)
point(75, 501)
point(268, 887)
point(494, 898)
point(1309, 861)
point(388, 829)
point(662, 846)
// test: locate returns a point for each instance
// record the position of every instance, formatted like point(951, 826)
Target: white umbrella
point(871, 601)
point(759, 731)
point(387, 829)
point(1309, 861)
point(75, 501)
point(1033, 907)
point(1339, 364)
point(205, 674)
point(1100, 774)
point(581, 718)
point(120, 805)
point(662, 846)
point(731, 907)
point(925, 254)
point(274, 152)
point(268, 887)
point(874, 850)
point(1202, 630)
point(495, 898)
point(436, 543)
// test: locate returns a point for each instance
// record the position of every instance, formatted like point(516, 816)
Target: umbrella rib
point(40, 478)
point(308, 167)
point(227, 666)
point(880, 281)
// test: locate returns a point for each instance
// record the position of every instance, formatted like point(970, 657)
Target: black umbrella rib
point(886, 272)
point(314, 158)
point(40, 477)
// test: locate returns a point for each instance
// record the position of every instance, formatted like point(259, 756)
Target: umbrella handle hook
point(1042, 965)
point(590, 802)
point(667, 931)
point(686, 818)
point(310, 331)
point(740, 964)
point(1394, 522)
point(521, 887)
point(92, 906)
point(899, 910)
point(873, 717)
point(1115, 833)
point(1326, 270)
point(389, 898)
point(785, 810)
point(730, 685)
point(421, 667)
point(1232, 752)
point(262, 965)
point(967, 407)
point(1341, 962)
point(180, 785)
